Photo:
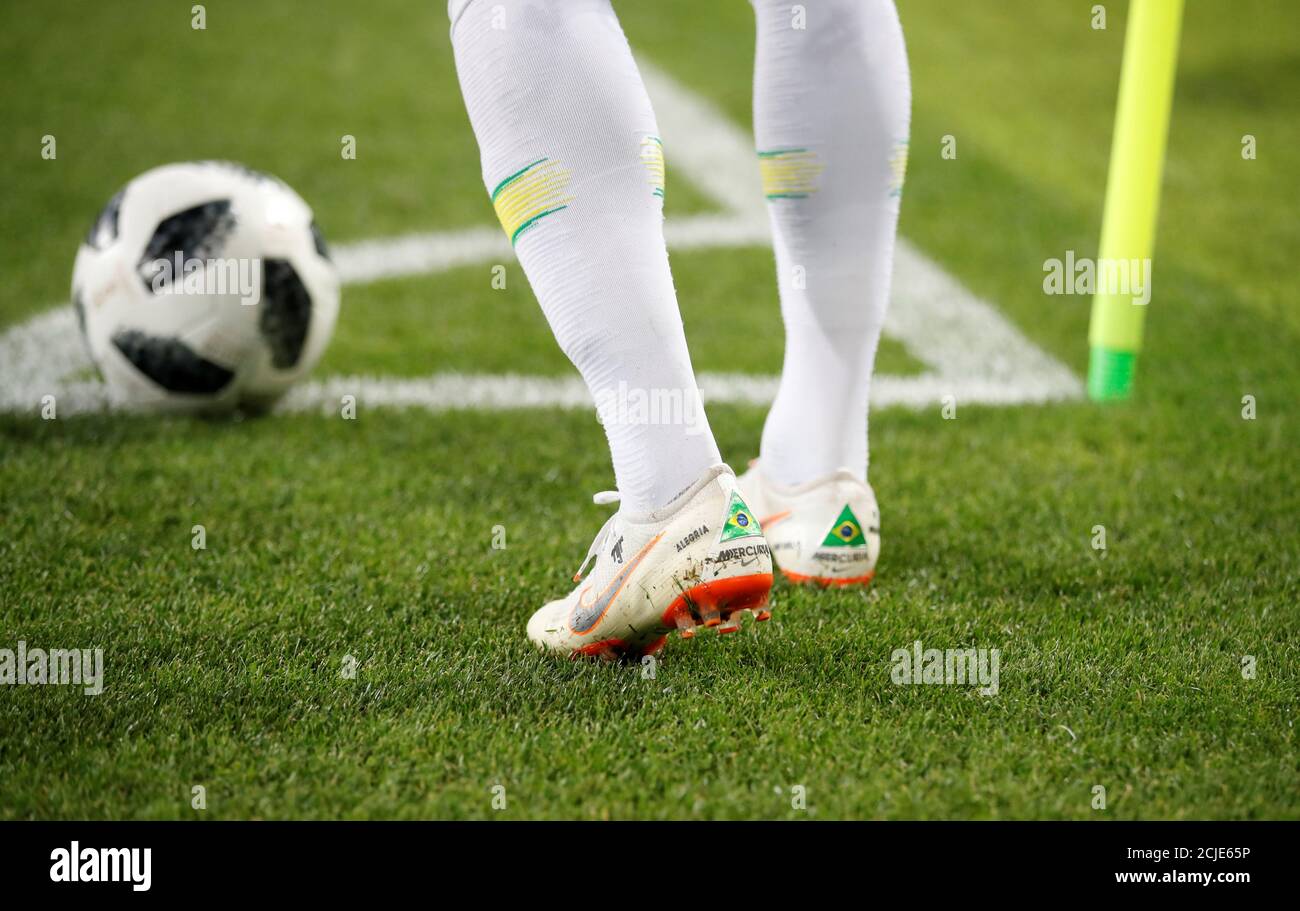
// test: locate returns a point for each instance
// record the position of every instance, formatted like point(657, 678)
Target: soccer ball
point(204, 286)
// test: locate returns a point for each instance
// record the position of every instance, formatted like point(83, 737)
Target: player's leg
point(570, 155)
point(832, 105)
point(572, 159)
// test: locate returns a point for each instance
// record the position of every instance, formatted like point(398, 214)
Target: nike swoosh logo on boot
point(584, 617)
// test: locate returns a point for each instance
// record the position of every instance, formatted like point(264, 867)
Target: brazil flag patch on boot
point(740, 521)
point(846, 532)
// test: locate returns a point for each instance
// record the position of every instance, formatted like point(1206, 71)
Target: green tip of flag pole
point(1137, 156)
point(1110, 374)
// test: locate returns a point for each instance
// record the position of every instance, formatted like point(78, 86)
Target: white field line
point(970, 351)
point(47, 349)
point(501, 392)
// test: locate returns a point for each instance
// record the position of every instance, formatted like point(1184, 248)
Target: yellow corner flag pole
point(1137, 157)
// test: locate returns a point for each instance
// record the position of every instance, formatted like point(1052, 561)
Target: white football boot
point(702, 559)
point(825, 531)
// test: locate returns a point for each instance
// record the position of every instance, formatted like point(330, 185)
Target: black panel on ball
point(104, 231)
point(319, 239)
point(171, 363)
point(286, 312)
point(80, 306)
point(197, 233)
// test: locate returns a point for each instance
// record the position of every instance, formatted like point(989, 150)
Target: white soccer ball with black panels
point(204, 286)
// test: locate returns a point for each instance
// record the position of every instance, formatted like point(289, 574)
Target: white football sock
point(832, 103)
point(571, 155)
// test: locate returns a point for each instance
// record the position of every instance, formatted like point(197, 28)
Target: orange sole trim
point(719, 604)
point(617, 649)
point(827, 582)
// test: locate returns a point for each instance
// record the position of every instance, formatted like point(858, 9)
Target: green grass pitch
point(372, 538)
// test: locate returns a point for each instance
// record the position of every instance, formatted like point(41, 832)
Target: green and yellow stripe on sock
point(789, 173)
point(652, 155)
point(529, 195)
point(898, 167)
